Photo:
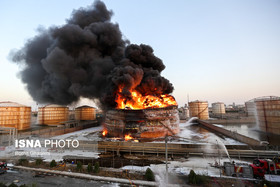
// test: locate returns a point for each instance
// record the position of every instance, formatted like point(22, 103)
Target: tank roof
point(54, 106)
point(264, 98)
point(198, 101)
point(11, 104)
point(85, 106)
point(218, 103)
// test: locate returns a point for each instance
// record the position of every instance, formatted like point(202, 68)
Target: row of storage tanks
point(19, 116)
point(200, 110)
point(266, 110)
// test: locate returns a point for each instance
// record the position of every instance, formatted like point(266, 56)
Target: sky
point(214, 50)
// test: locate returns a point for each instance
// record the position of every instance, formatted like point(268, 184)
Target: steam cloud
point(87, 57)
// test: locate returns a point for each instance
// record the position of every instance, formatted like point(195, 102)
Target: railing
point(182, 149)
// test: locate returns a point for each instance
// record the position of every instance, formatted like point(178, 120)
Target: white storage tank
point(53, 114)
point(85, 113)
point(218, 108)
point(199, 109)
point(250, 107)
point(183, 113)
point(187, 112)
point(15, 115)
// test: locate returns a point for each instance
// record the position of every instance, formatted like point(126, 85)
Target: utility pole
point(219, 158)
point(166, 159)
point(10, 136)
point(113, 158)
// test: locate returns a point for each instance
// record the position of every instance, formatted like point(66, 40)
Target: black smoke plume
point(88, 57)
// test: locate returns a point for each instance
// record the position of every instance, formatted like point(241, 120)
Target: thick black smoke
point(87, 57)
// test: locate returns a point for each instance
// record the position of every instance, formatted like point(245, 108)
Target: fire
point(104, 132)
point(138, 101)
point(127, 137)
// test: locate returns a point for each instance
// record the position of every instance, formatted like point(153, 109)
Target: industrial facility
point(135, 133)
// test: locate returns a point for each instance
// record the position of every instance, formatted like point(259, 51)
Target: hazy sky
point(226, 51)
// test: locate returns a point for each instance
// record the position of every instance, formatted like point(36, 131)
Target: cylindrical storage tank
point(183, 113)
point(15, 115)
point(218, 108)
point(187, 112)
point(145, 123)
point(53, 114)
point(85, 113)
point(268, 114)
point(250, 107)
point(199, 109)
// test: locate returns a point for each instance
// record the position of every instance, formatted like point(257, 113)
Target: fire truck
point(3, 167)
point(257, 169)
point(265, 166)
point(238, 169)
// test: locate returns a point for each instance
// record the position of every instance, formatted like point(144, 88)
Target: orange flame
point(138, 101)
point(127, 137)
point(104, 132)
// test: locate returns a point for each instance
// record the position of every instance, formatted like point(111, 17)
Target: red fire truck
point(258, 169)
point(265, 166)
point(3, 167)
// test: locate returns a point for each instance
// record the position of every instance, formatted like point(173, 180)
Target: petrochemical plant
point(231, 131)
point(263, 111)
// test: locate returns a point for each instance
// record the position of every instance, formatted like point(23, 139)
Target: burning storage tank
point(15, 115)
point(199, 109)
point(146, 123)
point(268, 114)
point(53, 114)
point(144, 117)
point(218, 108)
point(85, 113)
